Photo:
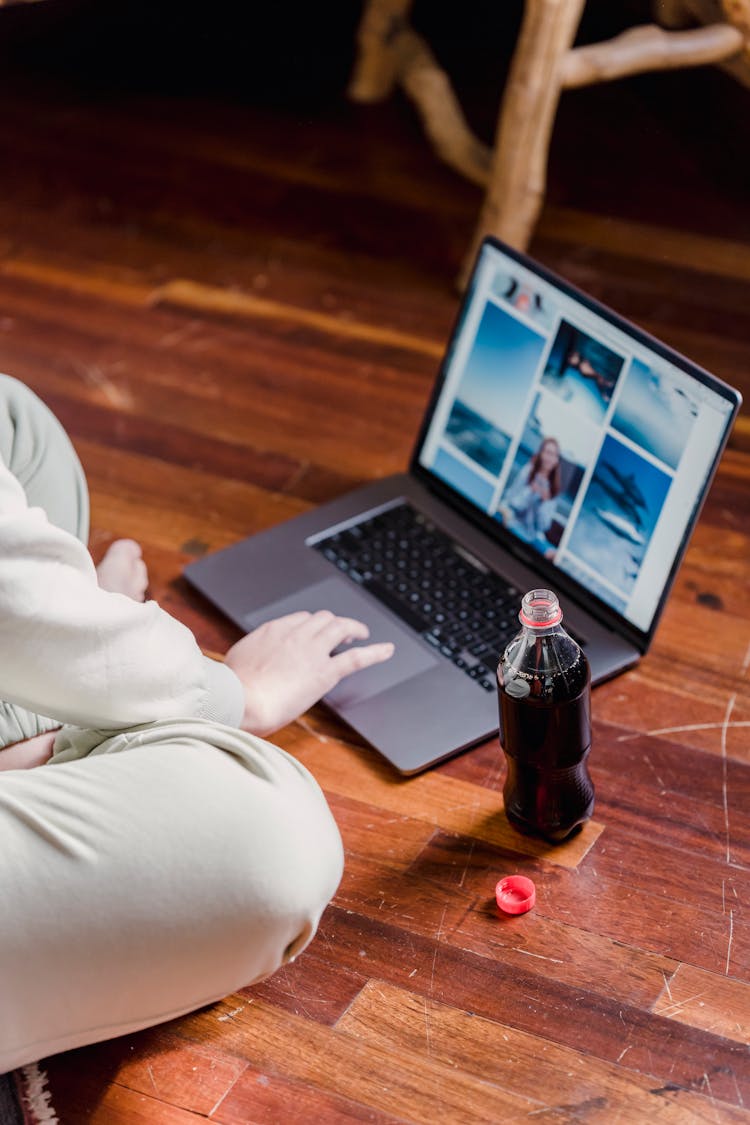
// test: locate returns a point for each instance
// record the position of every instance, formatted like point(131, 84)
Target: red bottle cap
point(515, 894)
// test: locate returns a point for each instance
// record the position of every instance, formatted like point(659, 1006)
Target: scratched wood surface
point(237, 310)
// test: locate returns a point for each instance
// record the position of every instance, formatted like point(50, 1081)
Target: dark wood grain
point(237, 307)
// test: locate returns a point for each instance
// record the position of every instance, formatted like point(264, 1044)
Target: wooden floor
point(237, 311)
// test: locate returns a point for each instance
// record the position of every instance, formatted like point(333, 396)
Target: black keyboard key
point(412, 618)
point(415, 570)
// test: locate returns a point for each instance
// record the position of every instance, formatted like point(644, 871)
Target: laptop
point(562, 448)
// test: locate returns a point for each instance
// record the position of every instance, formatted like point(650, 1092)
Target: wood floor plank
point(451, 899)
point(99, 288)
point(466, 809)
point(403, 1085)
point(577, 897)
point(162, 1067)
point(702, 299)
point(707, 942)
point(248, 259)
point(696, 776)
point(654, 868)
point(310, 987)
point(262, 1098)
point(393, 841)
point(192, 295)
point(565, 1082)
point(401, 899)
point(652, 705)
point(185, 390)
point(84, 1092)
point(168, 504)
point(716, 831)
point(724, 257)
point(533, 1003)
point(708, 1000)
point(157, 437)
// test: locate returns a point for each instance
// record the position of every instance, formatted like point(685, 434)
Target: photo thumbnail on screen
point(528, 299)
point(555, 449)
point(618, 515)
point(656, 412)
point(488, 406)
point(582, 371)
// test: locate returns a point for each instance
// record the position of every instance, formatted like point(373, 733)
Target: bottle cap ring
point(540, 609)
point(515, 894)
point(543, 619)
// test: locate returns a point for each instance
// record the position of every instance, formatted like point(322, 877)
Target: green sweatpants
point(143, 872)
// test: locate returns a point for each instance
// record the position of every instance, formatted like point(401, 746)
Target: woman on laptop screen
point(528, 506)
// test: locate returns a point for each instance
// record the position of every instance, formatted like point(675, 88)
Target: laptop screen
point(586, 440)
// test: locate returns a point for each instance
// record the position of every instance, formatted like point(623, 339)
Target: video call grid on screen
point(579, 439)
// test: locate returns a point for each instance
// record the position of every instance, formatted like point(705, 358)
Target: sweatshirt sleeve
point(79, 654)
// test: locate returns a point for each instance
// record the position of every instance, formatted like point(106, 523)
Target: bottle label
point(545, 734)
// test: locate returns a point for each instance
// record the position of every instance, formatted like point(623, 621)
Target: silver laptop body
point(563, 448)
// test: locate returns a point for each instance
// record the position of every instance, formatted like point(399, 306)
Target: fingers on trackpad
point(411, 655)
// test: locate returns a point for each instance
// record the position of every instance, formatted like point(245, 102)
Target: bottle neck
point(540, 609)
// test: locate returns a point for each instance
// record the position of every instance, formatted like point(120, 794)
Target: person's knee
point(36, 449)
point(174, 874)
point(303, 867)
point(305, 871)
point(280, 860)
point(226, 843)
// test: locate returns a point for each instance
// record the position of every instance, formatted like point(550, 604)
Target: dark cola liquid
point(545, 732)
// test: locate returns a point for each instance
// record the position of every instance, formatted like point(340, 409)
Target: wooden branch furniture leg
point(429, 87)
point(377, 65)
point(390, 51)
point(650, 48)
point(519, 166)
point(544, 64)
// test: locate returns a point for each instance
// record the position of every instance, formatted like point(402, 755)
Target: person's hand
point(541, 487)
point(286, 665)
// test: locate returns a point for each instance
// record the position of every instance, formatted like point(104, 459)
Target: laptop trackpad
point(344, 599)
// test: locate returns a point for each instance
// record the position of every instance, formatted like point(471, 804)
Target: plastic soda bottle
point(544, 685)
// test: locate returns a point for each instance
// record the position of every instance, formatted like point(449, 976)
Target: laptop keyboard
point(420, 574)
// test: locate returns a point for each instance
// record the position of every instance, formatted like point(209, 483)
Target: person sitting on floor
point(166, 854)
